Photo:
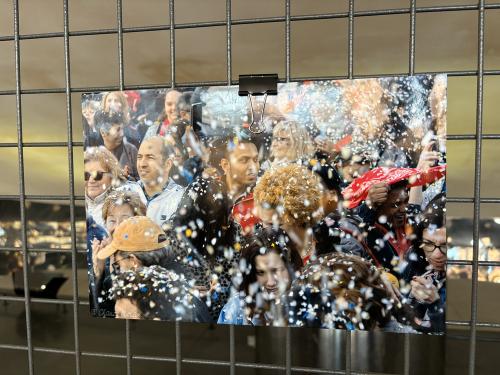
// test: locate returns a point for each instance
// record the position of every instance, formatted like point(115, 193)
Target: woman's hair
point(293, 191)
point(340, 291)
point(302, 144)
point(120, 198)
point(158, 293)
point(107, 160)
point(264, 242)
point(123, 100)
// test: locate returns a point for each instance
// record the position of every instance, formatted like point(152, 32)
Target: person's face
point(354, 170)
point(185, 115)
point(93, 185)
point(153, 170)
point(329, 200)
point(171, 104)
point(394, 208)
point(113, 103)
point(436, 256)
point(114, 137)
point(116, 215)
point(272, 274)
point(282, 145)
point(123, 261)
point(125, 308)
point(243, 164)
point(268, 216)
point(88, 113)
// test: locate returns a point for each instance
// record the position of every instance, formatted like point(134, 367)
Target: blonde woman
point(290, 144)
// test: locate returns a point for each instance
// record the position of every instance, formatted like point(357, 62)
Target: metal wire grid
point(412, 10)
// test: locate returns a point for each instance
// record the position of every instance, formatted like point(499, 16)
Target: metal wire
point(69, 122)
point(258, 20)
point(22, 193)
point(477, 189)
point(412, 10)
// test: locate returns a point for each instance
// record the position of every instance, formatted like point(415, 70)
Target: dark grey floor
point(52, 327)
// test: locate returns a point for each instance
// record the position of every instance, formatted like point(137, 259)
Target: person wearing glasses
point(425, 272)
point(390, 211)
point(111, 127)
point(102, 174)
point(290, 143)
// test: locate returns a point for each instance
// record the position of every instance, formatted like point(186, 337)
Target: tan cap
point(138, 233)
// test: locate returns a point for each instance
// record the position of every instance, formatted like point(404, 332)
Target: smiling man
point(160, 194)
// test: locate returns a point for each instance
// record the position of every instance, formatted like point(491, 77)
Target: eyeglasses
point(429, 247)
point(116, 264)
point(281, 139)
point(97, 176)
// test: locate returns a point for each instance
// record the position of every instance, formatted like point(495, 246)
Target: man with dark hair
point(387, 238)
point(160, 194)
point(111, 126)
point(240, 165)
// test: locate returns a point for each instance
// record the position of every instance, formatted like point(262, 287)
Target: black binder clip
point(253, 85)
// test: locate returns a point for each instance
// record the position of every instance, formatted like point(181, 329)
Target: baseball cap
point(135, 234)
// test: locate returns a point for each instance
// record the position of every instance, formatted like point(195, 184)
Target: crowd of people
point(333, 216)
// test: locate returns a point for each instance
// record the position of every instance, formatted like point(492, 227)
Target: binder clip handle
point(253, 85)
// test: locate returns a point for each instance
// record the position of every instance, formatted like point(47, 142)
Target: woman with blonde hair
point(290, 143)
point(116, 101)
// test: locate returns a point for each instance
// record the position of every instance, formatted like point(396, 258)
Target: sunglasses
point(97, 176)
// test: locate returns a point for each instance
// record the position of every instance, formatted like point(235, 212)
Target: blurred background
point(445, 41)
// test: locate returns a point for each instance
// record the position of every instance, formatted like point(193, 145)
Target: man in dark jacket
point(111, 127)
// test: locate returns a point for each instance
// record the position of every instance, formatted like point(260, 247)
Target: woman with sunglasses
point(102, 174)
point(425, 273)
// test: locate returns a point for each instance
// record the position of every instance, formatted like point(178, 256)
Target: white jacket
point(94, 208)
point(161, 206)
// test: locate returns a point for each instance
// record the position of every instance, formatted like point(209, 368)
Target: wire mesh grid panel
point(105, 346)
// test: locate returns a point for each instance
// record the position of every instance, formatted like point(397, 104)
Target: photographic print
point(321, 206)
